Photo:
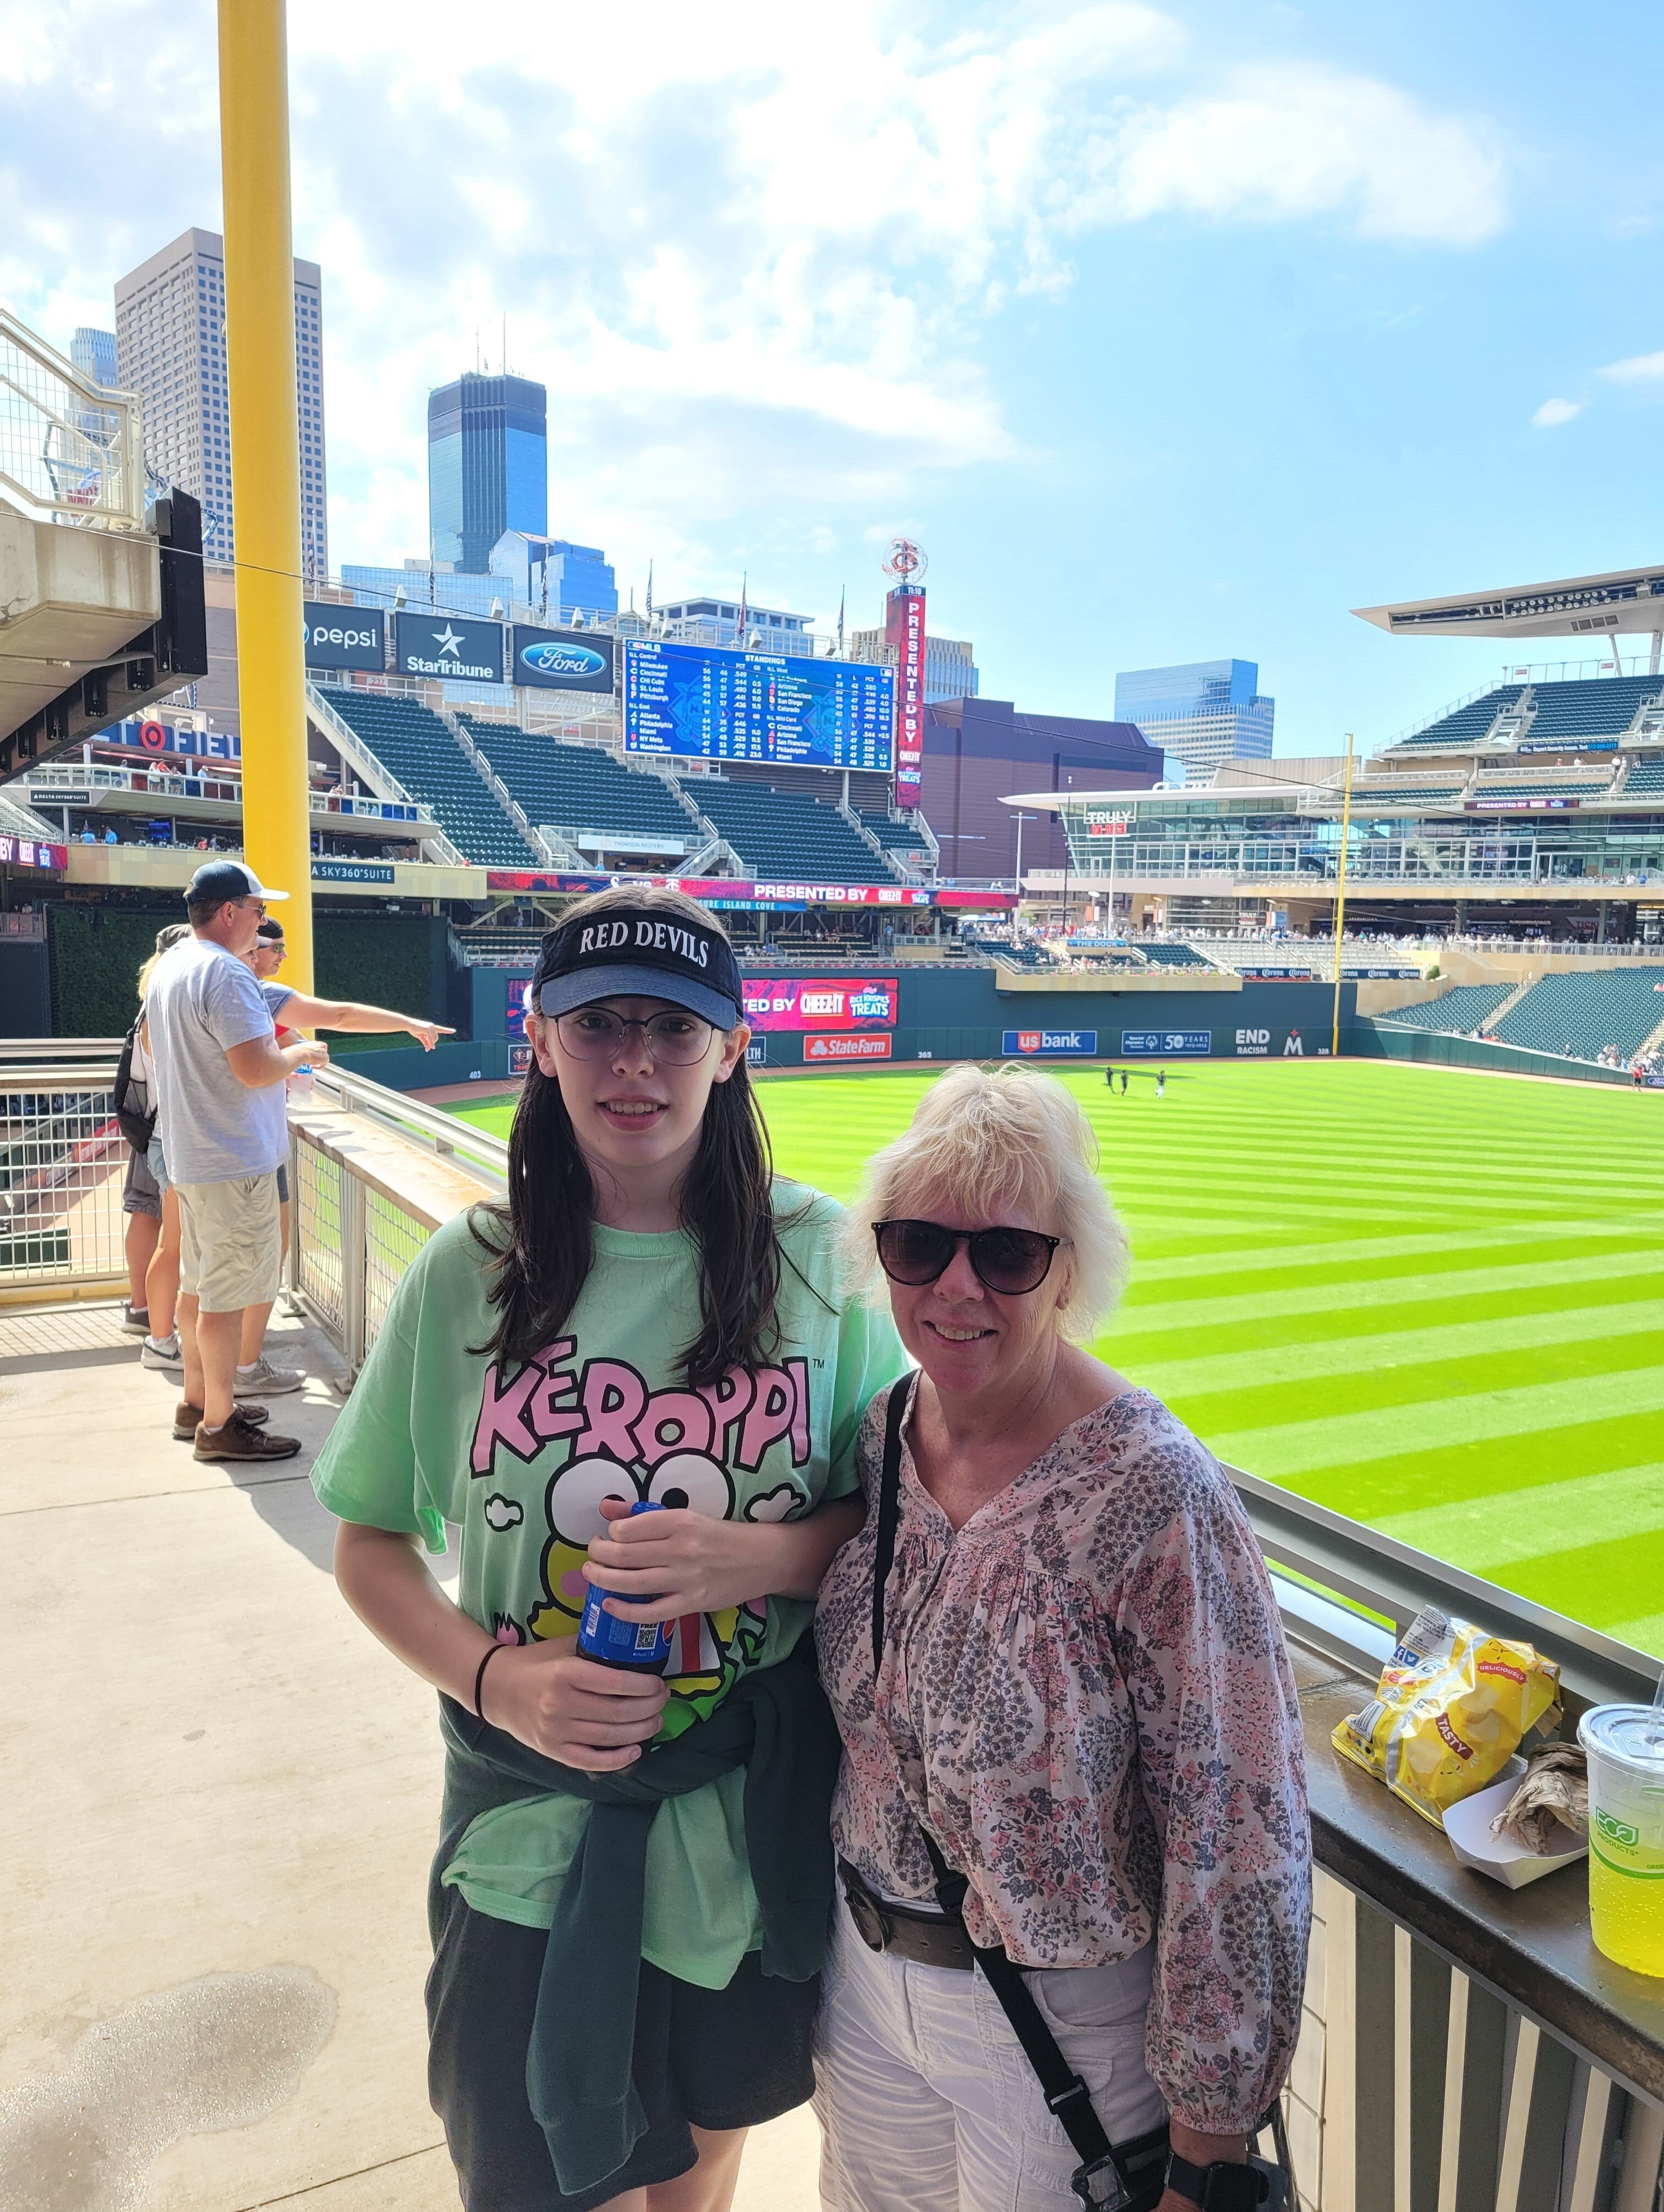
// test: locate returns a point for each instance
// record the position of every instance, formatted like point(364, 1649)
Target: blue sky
point(1171, 331)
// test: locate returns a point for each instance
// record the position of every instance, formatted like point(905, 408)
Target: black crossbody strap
point(1132, 2173)
point(889, 1506)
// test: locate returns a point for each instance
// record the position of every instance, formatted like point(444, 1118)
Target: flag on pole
point(745, 615)
point(841, 590)
point(649, 588)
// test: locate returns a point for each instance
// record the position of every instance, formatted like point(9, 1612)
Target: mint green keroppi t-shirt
point(520, 1460)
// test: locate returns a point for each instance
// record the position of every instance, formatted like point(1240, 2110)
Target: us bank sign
point(449, 646)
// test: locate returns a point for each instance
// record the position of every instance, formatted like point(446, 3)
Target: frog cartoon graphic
point(708, 1651)
point(631, 1444)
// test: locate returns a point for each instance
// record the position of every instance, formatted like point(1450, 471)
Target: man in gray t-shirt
point(220, 1077)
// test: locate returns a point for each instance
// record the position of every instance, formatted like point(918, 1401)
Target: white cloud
point(1553, 412)
point(1282, 143)
point(1639, 368)
point(751, 256)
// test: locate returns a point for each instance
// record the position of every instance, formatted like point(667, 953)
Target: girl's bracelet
point(491, 1652)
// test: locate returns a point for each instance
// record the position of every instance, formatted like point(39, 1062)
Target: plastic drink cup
point(1625, 1748)
point(643, 1647)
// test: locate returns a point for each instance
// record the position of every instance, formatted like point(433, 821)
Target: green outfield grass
point(1432, 1300)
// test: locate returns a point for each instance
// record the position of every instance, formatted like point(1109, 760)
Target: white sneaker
point(165, 1353)
point(263, 1380)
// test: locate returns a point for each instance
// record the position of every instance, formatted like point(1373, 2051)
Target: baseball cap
point(639, 953)
point(270, 931)
point(228, 879)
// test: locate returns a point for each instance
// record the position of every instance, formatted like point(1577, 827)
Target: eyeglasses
point(1009, 1261)
point(676, 1039)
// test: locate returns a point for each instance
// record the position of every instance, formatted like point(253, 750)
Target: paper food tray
point(1467, 1826)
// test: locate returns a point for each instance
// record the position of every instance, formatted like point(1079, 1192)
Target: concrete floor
point(220, 1801)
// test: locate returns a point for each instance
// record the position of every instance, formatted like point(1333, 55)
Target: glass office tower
point(488, 466)
point(1204, 712)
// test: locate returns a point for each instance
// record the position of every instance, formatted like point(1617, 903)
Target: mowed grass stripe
point(1308, 1363)
point(1283, 1453)
point(1498, 1531)
point(1165, 1333)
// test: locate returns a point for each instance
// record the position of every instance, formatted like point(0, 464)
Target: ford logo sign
point(555, 659)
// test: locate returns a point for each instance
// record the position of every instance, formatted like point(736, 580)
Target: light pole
point(1021, 818)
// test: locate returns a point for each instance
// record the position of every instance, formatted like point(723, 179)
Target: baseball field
point(1432, 1300)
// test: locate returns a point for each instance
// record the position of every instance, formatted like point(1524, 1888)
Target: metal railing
point(355, 1229)
point(71, 451)
point(63, 1160)
point(1464, 2048)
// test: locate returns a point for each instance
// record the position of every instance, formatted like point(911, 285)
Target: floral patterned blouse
point(1086, 1695)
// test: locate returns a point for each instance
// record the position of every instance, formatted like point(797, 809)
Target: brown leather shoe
point(240, 1440)
point(186, 1416)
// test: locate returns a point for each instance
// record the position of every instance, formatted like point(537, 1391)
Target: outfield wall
point(942, 1014)
point(1366, 1040)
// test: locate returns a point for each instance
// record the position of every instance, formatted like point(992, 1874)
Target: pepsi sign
point(562, 660)
point(344, 637)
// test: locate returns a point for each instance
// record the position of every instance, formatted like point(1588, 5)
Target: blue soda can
point(642, 1646)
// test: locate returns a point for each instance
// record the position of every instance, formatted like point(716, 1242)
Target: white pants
point(925, 2099)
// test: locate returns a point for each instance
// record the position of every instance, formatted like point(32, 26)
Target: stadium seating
point(1414, 795)
point(413, 744)
point(1604, 707)
point(895, 836)
point(1468, 724)
point(579, 788)
point(783, 838)
point(1468, 1007)
point(1645, 776)
point(1174, 955)
point(1581, 1015)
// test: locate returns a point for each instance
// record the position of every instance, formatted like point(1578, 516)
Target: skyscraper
point(170, 348)
point(93, 353)
point(488, 466)
point(1204, 712)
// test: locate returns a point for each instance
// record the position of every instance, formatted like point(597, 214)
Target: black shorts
point(732, 2058)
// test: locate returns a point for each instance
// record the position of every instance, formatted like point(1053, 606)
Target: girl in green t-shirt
point(649, 1315)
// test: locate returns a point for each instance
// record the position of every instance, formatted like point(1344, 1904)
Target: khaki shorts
point(230, 1242)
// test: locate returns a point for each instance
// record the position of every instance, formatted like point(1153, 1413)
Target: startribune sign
point(449, 645)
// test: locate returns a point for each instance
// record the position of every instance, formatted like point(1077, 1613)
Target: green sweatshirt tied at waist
point(776, 1724)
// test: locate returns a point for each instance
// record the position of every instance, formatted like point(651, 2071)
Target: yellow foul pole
point(260, 345)
point(1340, 897)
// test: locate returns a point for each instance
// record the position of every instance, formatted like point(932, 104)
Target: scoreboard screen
point(703, 702)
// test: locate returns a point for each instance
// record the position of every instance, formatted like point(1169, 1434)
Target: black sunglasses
point(1009, 1261)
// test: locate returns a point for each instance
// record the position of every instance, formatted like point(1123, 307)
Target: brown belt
point(926, 1939)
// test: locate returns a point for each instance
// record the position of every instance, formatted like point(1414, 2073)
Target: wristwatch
point(1221, 2187)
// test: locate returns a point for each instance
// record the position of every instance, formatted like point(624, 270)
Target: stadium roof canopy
point(1627, 599)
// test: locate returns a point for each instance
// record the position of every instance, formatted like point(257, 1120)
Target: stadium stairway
point(778, 836)
point(1470, 725)
point(1581, 1016)
point(423, 752)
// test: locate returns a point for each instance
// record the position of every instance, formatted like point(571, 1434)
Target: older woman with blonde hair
point(1071, 1824)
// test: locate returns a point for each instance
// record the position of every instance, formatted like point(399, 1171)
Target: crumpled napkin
point(1554, 1786)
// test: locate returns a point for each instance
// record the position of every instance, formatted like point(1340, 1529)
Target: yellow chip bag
point(1449, 1712)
